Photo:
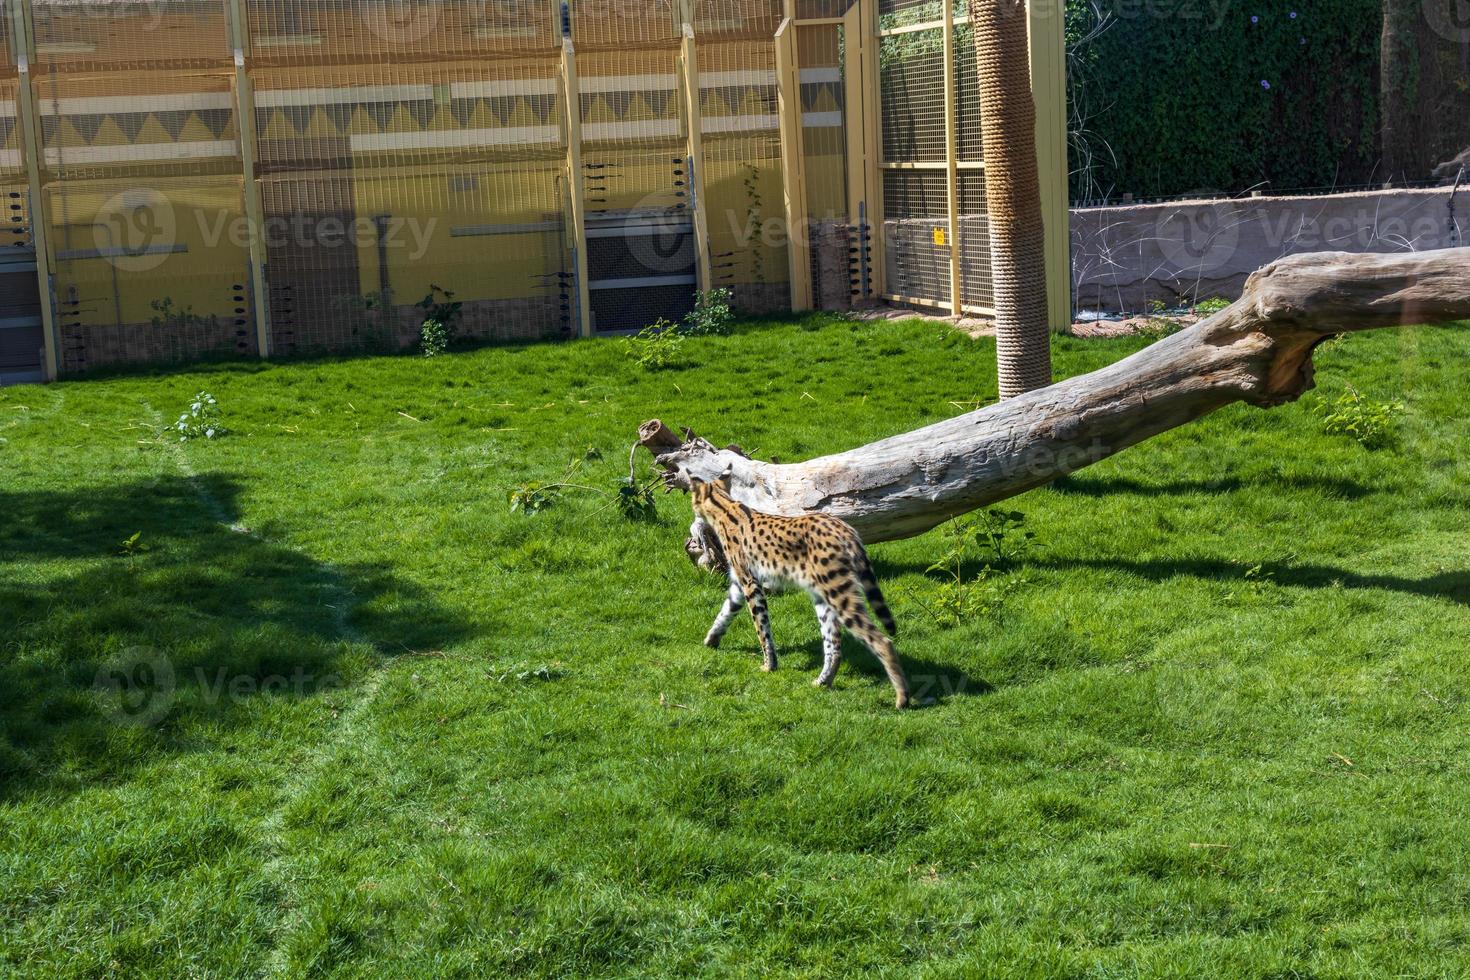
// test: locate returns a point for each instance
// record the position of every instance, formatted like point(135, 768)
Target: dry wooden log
point(1258, 351)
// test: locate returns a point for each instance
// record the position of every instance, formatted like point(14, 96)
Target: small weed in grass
point(655, 347)
point(1372, 423)
point(201, 420)
point(995, 537)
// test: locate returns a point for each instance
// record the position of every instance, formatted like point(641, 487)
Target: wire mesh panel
point(969, 132)
point(976, 280)
point(170, 35)
point(7, 42)
point(904, 13)
point(636, 184)
point(22, 341)
point(822, 9)
point(823, 112)
point(725, 20)
point(624, 24)
point(918, 256)
point(143, 193)
point(384, 183)
point(914, 68)
point(322, 32)
point(744, 190)
point(912, 91)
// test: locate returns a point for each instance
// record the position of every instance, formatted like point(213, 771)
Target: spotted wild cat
point(820, 554)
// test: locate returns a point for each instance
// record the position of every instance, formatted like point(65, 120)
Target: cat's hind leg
point(831, 644)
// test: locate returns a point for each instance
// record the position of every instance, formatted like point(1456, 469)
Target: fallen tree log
point(1258, 351)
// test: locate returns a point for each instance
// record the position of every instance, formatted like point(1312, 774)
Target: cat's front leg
point(733, 605)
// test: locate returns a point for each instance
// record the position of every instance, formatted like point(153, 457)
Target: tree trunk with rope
point(1013, 194)
point(1257, 351)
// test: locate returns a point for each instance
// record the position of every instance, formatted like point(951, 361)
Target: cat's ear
point(726, 476)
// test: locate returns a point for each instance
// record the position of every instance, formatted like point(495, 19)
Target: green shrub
point(655, 347)
point(1372, 423)
point(441, 321)
point(712, 315)
point(201, 420)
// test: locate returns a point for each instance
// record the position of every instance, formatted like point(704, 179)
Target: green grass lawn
point(1217, 722)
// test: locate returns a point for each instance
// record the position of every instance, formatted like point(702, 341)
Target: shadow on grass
point(1074, 486)
point(1454, 586)
point(113, 654)
point(930, 684)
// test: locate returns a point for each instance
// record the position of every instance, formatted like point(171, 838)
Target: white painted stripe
point(628, 83)
point(269, 99)
point(502, 88)
point(647, 282)
point(203, 149)
point(117, 104)
point(7, 109)
point(740, 124)
point(647, 129)
point(818, 76)
point(736, 79)
point(456, 139)
point(10, 159)
point(822, 120)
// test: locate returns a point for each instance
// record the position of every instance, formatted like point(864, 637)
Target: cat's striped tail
point(869, 582)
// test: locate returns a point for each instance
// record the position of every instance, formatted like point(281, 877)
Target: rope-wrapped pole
point(1013, 190)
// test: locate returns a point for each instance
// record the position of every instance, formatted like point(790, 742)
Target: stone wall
point(1182, 252)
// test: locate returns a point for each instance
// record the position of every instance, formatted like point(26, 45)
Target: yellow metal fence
point(265, 177)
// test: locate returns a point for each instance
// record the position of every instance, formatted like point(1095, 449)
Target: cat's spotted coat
point(817, 553)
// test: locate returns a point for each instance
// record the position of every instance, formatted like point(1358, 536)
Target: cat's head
point(704, 491)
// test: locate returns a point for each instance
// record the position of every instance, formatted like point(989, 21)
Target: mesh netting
point(410, 151)
point(143, 193)
point(726, 20)
point(155, 35)
point(743, 182)
point(822, 9)
point(622, 25)
point(913, 97)
point(322, 32)
point(916, 151)
point(918, 259)
point(7, 44)
point(12, 160)
point(436, 173)
point(823, 117)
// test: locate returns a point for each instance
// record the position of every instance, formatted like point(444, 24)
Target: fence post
point(23, 30)
point(793, 165)
point(1047, 29)
point(576, 184)
point(952, 167)
point(694, 120)
point(870, 48)
point(254, 208)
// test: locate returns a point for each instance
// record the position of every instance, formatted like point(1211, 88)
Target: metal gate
point(640, 267)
